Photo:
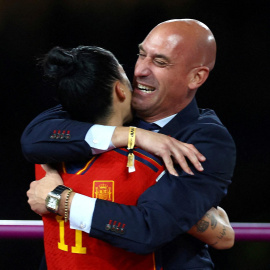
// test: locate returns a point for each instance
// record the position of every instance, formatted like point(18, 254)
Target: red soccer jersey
point(104, 177)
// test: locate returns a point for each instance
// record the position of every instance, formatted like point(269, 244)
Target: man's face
point(161, 76)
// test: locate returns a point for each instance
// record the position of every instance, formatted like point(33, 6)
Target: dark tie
point(147, 126)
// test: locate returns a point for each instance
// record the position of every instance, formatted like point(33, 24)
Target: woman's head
point(85, 77)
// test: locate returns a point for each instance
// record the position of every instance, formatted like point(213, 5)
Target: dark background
point(237, 89)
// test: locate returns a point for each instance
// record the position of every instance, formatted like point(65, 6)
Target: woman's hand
point(164, 146)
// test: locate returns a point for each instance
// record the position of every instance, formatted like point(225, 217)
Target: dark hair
point(84, 76)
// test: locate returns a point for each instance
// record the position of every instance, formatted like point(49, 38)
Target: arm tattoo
point(202, 226)
point(222, 233)
point(213, 220)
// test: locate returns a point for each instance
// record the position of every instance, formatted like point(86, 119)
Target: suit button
point(123, 230)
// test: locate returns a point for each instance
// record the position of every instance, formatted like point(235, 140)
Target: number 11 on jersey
point(78, 248)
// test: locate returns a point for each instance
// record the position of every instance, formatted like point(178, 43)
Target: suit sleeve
point(52, 137)
point(173, 205)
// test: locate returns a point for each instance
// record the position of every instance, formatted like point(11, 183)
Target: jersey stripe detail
point(150, 156)
point(154, 261)
point(86, 167)
point(152, 165)
point(78, 168)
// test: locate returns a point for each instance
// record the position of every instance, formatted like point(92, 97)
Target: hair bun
point(59, 63)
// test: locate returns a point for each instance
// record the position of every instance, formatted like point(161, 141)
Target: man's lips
point(145, 88)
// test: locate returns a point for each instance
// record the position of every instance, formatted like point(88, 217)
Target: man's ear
point(119, 91)
point(198, 77)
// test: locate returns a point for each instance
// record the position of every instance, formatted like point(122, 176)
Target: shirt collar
point(164, 121)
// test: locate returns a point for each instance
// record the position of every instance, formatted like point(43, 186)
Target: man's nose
point(142, 68)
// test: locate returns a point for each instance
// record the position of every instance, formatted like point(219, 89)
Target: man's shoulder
point(208, 116)
point(207, 120)
point(205, 126)
point(209, 123)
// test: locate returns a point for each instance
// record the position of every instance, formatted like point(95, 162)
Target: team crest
point(103, 190)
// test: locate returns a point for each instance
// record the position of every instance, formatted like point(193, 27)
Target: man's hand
point(39, 190)
point(167, 148)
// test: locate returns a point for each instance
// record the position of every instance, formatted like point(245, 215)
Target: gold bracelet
point(66, 205)
point(130, 147)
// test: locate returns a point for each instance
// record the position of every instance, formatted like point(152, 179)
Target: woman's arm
point(166, 147)
point(53, 137)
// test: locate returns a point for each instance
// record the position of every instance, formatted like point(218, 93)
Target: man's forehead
point(162, 45)
point(174, 40)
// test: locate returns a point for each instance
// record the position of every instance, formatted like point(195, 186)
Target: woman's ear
point(119, 91)
point(198, 77)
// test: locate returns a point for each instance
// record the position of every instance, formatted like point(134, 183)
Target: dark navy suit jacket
point(166, 210)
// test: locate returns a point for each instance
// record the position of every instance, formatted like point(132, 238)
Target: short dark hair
point(84, 76)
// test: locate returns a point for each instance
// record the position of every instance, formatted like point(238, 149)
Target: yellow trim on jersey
point(85, 167)
point(64, 167)
point(81, 170)
point(154, 261)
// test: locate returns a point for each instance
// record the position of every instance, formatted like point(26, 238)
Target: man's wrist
point(61, 209)
point(53, 198)
point(81, 212)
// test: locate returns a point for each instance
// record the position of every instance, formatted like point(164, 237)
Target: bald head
point(196, 40)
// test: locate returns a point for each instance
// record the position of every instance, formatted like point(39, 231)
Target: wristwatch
point(53, 198)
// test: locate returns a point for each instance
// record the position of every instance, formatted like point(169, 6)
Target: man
point(174, 61)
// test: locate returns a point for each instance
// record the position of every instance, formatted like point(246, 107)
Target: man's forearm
point(52, 137)
point(214, 229)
